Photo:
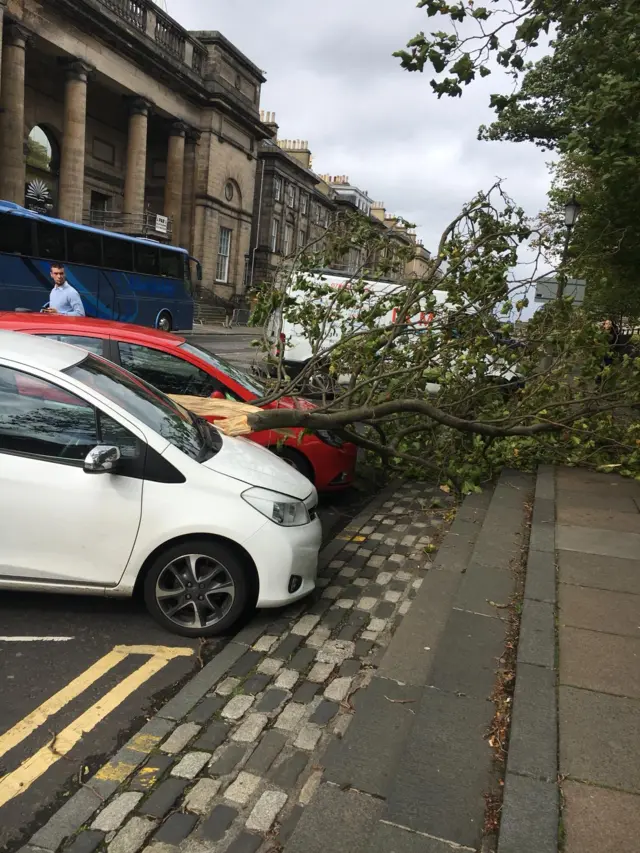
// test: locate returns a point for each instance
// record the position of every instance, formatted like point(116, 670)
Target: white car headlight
point(281, 509)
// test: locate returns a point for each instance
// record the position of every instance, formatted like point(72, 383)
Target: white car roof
point(37, 351)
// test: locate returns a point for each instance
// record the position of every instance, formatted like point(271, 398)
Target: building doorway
point(42, 172)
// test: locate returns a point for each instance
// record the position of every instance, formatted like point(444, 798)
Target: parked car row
point(109, 487)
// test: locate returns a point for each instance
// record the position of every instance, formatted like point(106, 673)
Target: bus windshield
point(118, 277)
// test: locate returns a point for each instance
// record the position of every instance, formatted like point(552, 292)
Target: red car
point(177, 367)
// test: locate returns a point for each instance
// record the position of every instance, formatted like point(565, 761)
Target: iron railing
point(135, 224)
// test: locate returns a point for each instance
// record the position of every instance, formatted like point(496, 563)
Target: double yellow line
point(23, 777)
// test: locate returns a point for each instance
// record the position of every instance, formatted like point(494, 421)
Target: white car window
point(94, 345)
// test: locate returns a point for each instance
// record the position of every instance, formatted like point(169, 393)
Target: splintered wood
point(232, 418)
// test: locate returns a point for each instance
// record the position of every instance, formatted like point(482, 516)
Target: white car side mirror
point(103, 459)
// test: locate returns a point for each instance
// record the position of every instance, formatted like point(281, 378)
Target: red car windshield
point(250, 383)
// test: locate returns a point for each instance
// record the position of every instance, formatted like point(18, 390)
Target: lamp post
point(571, 213)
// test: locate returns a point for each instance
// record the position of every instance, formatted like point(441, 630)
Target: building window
point(302, 239)
point(288, 239)
point(304, 203)
point(277, 188)
point(317, 214)
point(291, 195)
point(275, 234)
point(224, 251)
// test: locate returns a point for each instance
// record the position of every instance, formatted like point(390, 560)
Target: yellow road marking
point(19, 780)
point(36, 718)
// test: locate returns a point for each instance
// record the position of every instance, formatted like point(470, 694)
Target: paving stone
point(286, 774)
point(537, 643)
point(588, 499)
point(246, 664)
point(86, 842)
point(113, 815)
point(305, 692)
point(591, 570)
point(200, 798)
point(151, 771)
point(243, 788)
point(319, 637)
point(302, 659)
point(384, 578)
point(290, 716)
point(393, 596)
point(624, 522)
point(287, 679)
point(385, 609)
point(360, 582)
point(237, 707)
point(597, 820)
point(213, 736)
point(203, 712)
point(386, 838)
point(251, 729)
point(218, 822)
point(594, 540)
point(265, 643)
point(352, 816)
point(175, 829)
point(404, 608)
point(272, 700)
point(308, 737)
point(335, 651)
point(289, 823)
point(320, 672)
point(338, 690)
point(377, 625)
point(246, 842)
point(369, 636)
point(266, 810)
point(367, 604)
point(288, 647)
point(354, 626)
point(344, 603)
point(305, 626)
point(541, 576)
point(348, 572)
point(529, 821)
point(332, 592)
point(429, 794)
point(227, 759)
point(599, 609)
point(596, 731)
point(333, 618)
point(586, 661)
point(325, 712)
point(533, 740)
point(132, 836)
point(266, 752)
point(257, 683)
point(163, 799)
point(228, 686)
point(362, 648)
point(269, 666)
point(180, 737)
point(191, 764)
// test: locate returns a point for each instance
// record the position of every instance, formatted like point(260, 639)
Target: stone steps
point(412, 770)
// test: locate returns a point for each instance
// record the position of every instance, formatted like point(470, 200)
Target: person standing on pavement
point(64, 299)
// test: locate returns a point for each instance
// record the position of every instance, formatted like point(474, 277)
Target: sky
point(332, 80)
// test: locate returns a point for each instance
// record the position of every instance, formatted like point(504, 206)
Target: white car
point(107, 486)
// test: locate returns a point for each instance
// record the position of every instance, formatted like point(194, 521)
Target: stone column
point(12, 158)
point(74, 142)
point(136, 177)
point(175, 178)
point(189, 189)
point(3, 6)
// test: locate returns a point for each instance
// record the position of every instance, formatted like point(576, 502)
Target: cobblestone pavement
point(231, 768)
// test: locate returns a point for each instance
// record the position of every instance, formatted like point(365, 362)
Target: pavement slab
point(601, 662)
point(609, 519)
point(607, 502)
point(600, 610)
point(598, 820)
point(597, 540)
point(591, 570)
point(597, 733)
point(530, 816)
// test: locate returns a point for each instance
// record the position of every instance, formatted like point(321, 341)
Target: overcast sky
point(332, 79)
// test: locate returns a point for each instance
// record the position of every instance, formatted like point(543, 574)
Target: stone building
point(114, 115)
point(291, 207)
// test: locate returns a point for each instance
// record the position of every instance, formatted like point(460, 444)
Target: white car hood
point(250, 463)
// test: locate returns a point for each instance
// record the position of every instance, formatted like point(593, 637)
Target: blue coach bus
point(130, 279)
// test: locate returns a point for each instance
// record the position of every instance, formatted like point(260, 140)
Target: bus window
point(171, 264)
point(146, 259)
point(118, 254)
point(51, 241)
point(15, 234)
point(83, 247)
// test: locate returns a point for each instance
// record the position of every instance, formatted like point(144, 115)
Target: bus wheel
point(164, 322)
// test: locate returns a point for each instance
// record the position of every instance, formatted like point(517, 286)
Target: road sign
point(547, 289)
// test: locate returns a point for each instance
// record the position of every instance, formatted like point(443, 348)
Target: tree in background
point(582, 101)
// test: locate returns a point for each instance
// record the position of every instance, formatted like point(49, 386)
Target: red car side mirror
point(218, 395)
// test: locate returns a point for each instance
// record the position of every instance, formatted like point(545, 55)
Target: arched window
point(43, 163)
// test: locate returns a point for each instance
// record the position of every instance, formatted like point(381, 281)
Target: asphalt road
point(111, 668)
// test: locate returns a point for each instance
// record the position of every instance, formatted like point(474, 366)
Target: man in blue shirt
point(64, 299)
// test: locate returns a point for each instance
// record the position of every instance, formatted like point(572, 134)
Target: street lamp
point(571, 213)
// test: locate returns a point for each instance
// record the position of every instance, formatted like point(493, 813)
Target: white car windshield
point(188, 433)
